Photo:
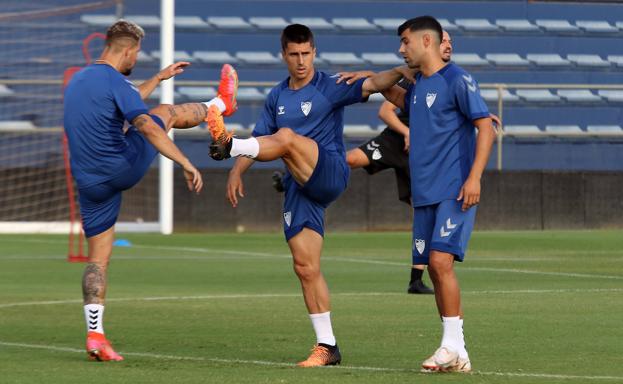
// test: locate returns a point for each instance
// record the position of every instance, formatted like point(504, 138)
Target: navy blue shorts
point(441, 227)
point(304, 205)
point(100, 203)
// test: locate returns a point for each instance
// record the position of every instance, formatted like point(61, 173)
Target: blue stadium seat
point(585, 60)
point(596, 26)
point(382, 58)
point(16, 125)
point(506, 59)
point(469, 59)
point(616, 60)
point(190, 22)
point(155, 95)
point(491, 95)
point(605, 129)
point(619, 24)
point(522, 129)
point(557, 26)
point(354, 24)
point(358, 130)
point(198, 93)
point(214, 57)
point(548, 60)
point(314, 23)
point(250, 94)
point(145, 21)
point(516, 25)
point(5, 91)
point(563, 129)
point(476, 25)
point(269, 23)
point(99, 21)
point(143, 57)
point(341, 58)
point(388, 24)
point(257, 57)
point(612, 95)
point(578, 95)
point(447, 25)
point(229, 23)
point(537, 95)
point(177, 56)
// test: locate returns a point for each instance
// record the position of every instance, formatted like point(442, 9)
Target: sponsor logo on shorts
point(449, 225)
point(287, 217)
point(420, 245)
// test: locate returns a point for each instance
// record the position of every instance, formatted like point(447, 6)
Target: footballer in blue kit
point(302, 124)
point(446, 161)
point(108, 158)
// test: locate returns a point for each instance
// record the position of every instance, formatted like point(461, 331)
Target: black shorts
point(387, 151)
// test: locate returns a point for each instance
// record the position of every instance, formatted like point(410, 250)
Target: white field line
point(369, 261)
point(290, 365)
point(288, 295)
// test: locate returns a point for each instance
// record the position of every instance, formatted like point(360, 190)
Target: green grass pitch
point(540, 307)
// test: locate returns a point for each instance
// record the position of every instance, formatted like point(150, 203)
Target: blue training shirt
point(98, 100)
point(315, 111)
point(442, 109)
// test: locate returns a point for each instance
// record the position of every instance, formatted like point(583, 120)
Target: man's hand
point(193, 178)
point(407, 73)
point(497, 123)
point(351, 77)
point(234, 188)
point(172, 70)
point(470, 193)
point(407, 143)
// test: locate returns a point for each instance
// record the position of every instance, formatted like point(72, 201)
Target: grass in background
point(539, 307)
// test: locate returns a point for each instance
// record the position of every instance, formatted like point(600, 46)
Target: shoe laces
point(218, 129)
point(319, 354)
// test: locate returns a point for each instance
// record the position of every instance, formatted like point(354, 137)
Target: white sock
point(322, 326)
point(218, 102)
point(94, 316)
point(463, 351)
point(245, 147)
point(452, 333)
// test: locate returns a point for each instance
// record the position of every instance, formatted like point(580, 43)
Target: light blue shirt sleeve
point(469, 100)
point(128, 98)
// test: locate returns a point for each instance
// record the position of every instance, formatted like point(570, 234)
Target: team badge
point(281, 110)
point(420, 245)
point(287, 217)
point(306, 107)
point(430, 99)
point(376, 155)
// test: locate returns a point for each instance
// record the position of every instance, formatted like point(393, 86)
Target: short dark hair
point(421, 23)
point(124, 29)
point(298, 34)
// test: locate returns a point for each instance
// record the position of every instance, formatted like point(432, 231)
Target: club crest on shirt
point(287, 216)
point(306, 107)
point(430, 99)
point(281, 110)
point(420, 245)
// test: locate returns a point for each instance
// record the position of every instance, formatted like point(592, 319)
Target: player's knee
point(163, 111)
point(285, 135)
point(438, 266)
point(306, 271)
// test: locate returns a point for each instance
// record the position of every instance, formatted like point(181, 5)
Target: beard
point(127, 72)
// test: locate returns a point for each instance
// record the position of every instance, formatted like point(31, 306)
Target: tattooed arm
point(159, 139)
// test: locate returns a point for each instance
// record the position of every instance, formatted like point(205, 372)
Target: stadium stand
point(512, 42)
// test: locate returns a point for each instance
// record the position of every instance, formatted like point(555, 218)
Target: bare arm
point(235, 187)
point(148, 86)
point(396, 96)
point(387, 113)
point(470, 191)
point(384, 80)
point(159, 139)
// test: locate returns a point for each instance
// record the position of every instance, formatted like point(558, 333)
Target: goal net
point(38, 42)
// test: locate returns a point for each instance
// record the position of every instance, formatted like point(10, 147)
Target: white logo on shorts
point(287, 216)
point(376, 155)
point(420, 245)
point(449, 225)
point(306, 107)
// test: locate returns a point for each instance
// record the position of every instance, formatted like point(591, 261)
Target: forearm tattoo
point(93, 284)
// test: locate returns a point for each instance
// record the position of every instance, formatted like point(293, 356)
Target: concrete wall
point(510, 200)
